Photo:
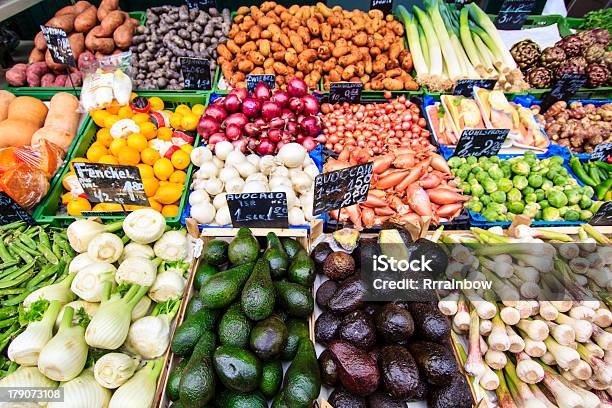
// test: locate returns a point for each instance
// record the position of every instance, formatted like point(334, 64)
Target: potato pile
point(171, 33)
point(311, 42)
point(93, 32)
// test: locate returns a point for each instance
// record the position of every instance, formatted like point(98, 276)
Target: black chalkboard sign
point(602, 152)
point(58, 45)
point(386, 6)
point(563, 89)
point(465, 87)
point(253, 80)
point(111, 183)
point(345, 92)
point(196, 73)
point(341, 188)
point(480, 142)
point(259, 210)
point(603, 217)
point(105, 213)
point(200, 4)
point(10, 211)
point(513, 14)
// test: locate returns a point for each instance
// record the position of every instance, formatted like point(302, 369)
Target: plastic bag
point(45, 156)
point(25, 184)
point(105, 80)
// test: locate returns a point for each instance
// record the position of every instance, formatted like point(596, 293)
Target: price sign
point(196, 73)
point(111, 183)
point(563, 89)
point(253, 80)
point(341, 188)
point(58, 45)
point(513, 14)
point(10, 211)
point(603, 217)
point(465, 87)
point(602, 152)
point(345, 92)
point(200, 4)
point(263, 210)
point(386, 6)
point(480, 142)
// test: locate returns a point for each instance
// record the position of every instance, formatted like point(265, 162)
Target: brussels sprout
point(489, 186)
point(466, 188)
point(563, 210)
point(535, 180)
point(547, 185)
point(471, 178)
point(504, 185)
point(520, 182)
point(541, 194)
point(530, 157)
point(489, 214)
point(486, 200)
point(461, 173)
point(466, 167)
point(454, 162)
point(483, 159)
point(498, 208)
point(550, 214)
point(475, 205)
point(514, 195)
point(498, 197)
point(544, 204)
point(486, 165)
point(495, 172)
point(531, 198)
point(505, 166)
point(572, 215)
point(520, 167)
point(516, 207)
point(556, 198)
point(531, 210)
point(560, 180)
point(588, 191)
point(471, 160)
point(482, 176)
point(585, 215)
point(558, 160)
point(527, 190)
point(552, 173)
point(477, 190)
point(494, 159)
point(477, 170)
point(573, 196)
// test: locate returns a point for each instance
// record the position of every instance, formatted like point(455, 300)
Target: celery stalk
point(435, 54)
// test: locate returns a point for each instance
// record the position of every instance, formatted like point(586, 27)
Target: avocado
point(203, 272)
point(348, 297)
point(234, 327)
point(222, 289)
point(456, 394)
point(393, 323)
point(435, 361)
point(295, 299)
point(326, 328)
point(319, 254)
point(339, 266)
point(341, 398)
point(302, 269)
point(233, 399)
point(177, 404)
point(215, 252)
point(197, 384)
point(291, 246)
point(296, 330)
point(268, 338)
point(399, 372)
point(187, 334)
point(302, 383)
point(429, 323)
point(258, 295)
point(431, 251)
point(277, 258)
point(325, 292)
point(383, 400)
point(329, 371)
point(244, 248)
point(174, 379)
point(347, 238)
point(238, 369)
point(358, 329)
point(371, 309)
point(194, 305)
point(357, 371)
point(271, 378)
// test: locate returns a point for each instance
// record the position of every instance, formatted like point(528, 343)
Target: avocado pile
point(381, 354)
point(249, 315)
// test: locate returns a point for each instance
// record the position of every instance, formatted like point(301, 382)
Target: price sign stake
point(480, 142)
point(603, 217)
point(196, 73)
point(563, 89)
point(345, 92)
point(602, 152)
point(253, 80)
point(10, 211)
point(111, 183)
point(465, 87)
point(513, 14)
point(259, 210)
point(341, 188)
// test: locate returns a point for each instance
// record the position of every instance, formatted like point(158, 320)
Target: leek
point(138, 391)
point(435, 54)
point(418, 58)
point(450, 57)
point(466, 39)
point(485, 22)
point(424, 45)
point(83, 391)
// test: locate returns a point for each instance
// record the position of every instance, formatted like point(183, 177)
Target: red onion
point(270, 110)
point(311, 105)
point(241, 93)
point(291, 128)
point(216, 112)
point(309, 143)
point(251, 107)
point(262, 92)
point(287, 114)
point(297, 87)
point(280, 97)
point(216, 138)
point(252, 144)
point(275, 135)
point(265, 147)
point(276, 123)
point(232, 103)
point(237, 118)
point(260, 123)
point(300, 139)
point(233, 132)
point(240, 145)
point(296, 105)
point(311, 126)
point(207, 126)
point(251, 129)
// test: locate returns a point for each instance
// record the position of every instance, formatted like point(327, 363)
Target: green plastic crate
point(46, 212)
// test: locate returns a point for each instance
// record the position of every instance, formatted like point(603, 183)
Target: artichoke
point(539, 77)
point(607, 60)
point(552, 57)
point(572, 45)
point(602, 36)
point(574, 65)
point(525, 53)
point(595, 53)
point(597, 75)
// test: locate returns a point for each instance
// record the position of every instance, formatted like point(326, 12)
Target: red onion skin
point(260, 123)
point(270, 110)
point(310, 126)
point(296, 105)
point(207, 126)
point(297, 87)
point(251, 129)
point(241, 93)
point(233, 132)
point(262, 92)
point(237, 118)
point(280, 97)
point(265, 147)
point(309, 143)
point(300, 139)
point(321, 139)
point(216, 112)
point(276, 123)
point(251, 107)
point(252, 144)
point(240, 144)
point(232, 103)
point(216, 138)
point(275, 135)
point(311, 105)
point(287, 114)
point(291, 128)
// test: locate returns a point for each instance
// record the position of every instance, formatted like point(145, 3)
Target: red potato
point(34, 73)
point(16, 76)
point(85, 60)
point(47, 80)
point(60, 81)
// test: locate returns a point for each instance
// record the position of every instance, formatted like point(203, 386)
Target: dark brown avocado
point(457, 394)
point(329, 371)
point(326, 328)
point(348, 297)
point(341, 398)
point(358, 329)
point(357, 371)
point(383, 400)
point(399, 372)
point(436, 362)
point(394, 323)
point(429, 323)
point(339, 266)
point(325, 292)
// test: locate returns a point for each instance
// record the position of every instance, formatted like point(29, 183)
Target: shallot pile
point(263, 122)
point(380, 127)
point(406, 185)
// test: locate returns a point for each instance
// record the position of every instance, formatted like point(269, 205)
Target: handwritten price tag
point(513, 14)
point(345, 92)
point(58, 45)
point(253, 80)
point(111, 183)
point(341, 188)
point(259, 210)
point(480, 142)
point(196, 73)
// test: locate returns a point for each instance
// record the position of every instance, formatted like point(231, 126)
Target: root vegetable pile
point(315, 41)
point(172, 33)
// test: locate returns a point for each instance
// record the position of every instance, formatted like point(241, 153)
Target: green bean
point(4, 253)
point(42, 275)
point(44, 238)
point(18, 280)
point(15, 300)
point(27, 241)
point(11, 225)
point(8, 264)
point(7, 322)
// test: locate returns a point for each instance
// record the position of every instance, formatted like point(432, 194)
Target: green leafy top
point(82, 318)
point(35, 313)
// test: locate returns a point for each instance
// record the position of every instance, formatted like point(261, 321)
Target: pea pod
point(11, 225)
point(603, 188)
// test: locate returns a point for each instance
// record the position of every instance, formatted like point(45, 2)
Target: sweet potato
point(81, 6)
point(47, 80)
point(16, 76)
point(77, 44)
point(85, 60)
point(65, 22)
point(65, 10)
point(54, 66)
point(123, 34)
point(35, 72)
point(106, 6)
point(96, 42)
point(39, 42)
point(110, 23)
point(36, 56)
point(60, 81)
point(86, 20)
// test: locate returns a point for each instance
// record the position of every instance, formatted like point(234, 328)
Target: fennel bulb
point(105, 247)
point(88, 283)
point(138, 391)
point(144, 225)
point(150, 335)
point(113, 369)
point(82, 231)
point(168, 285)
point(25, 348)
point(141, 309)
point(59, 291)
point(88, 308)
point(64, 356)
point(79, 262)
point(83, 392)
point(172, 246)
point(27, 377)
point(108, 329)
point(137, 270)
point(136, 249)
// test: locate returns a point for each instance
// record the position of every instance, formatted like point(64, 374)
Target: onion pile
point(263, 122)
point(378, 127)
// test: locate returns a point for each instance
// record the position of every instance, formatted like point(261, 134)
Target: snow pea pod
point(43, 237)
point(12, 225)
point(7, 322)
point(42, 275)
point(27, 241)
point(4, 253)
